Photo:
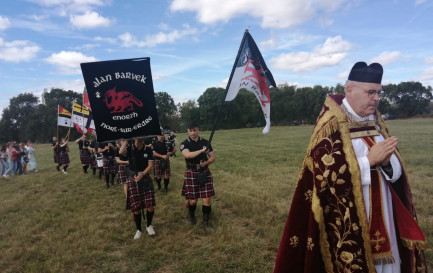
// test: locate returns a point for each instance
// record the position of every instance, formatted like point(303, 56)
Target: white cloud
point(68, 62)
point(4, 23)
point(70, 6)
point(426, 75)
point(387, 57)
point(86, 46)
point(156, 39)
point(74, 85)
point(273, 13)
point(330, 53)
point(271, 42)
point(344, 75)
point(105, 39)
point(89, 19)
point(18, 51)
point(428, 60)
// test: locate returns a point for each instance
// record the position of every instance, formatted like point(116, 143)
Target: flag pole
point(71, 123)
point(57, 133)
point(82, 114)
point(228, 84)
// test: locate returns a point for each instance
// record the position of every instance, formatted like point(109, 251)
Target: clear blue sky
point(193, 43)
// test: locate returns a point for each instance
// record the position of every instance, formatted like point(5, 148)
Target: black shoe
point(58, 169)
point(192, 220)
point(207, 226)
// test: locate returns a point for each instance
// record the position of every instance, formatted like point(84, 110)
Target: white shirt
point(361, 152)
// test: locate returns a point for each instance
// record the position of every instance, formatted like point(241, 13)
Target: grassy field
point(51, 222)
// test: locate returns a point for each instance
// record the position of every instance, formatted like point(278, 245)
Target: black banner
point(122, 98)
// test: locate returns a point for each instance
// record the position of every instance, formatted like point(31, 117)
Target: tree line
point(26, 118)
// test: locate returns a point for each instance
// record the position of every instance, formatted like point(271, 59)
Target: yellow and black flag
point(63, 117)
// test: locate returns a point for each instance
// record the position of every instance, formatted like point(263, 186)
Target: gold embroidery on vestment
point(294, 241)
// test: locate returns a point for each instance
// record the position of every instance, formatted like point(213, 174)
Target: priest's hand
point(381, 152)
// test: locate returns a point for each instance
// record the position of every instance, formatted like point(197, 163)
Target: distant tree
point(188, 111)
point(338, 89)
point(166, 108)
point(17, 115)
point(243, 111)
point(56, 97)
point(409, 98)
point(209, 103)
point(282, 104)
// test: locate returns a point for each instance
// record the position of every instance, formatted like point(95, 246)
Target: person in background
point(4, 158)
point(108, 151)
point(63, 155)
point(352, 209)
point(93, 148)
point(24, 158)
point(56, 152)
point(85, 156)
point(12, 160)
point(172, 141)
point(140, 191)
point(32, 165)
point(18, 158)
point(122, 163)
point(161, 154)
point(198, 155)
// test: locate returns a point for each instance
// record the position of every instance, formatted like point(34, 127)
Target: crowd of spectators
point(17, 158)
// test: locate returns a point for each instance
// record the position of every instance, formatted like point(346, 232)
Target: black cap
point(362, 73)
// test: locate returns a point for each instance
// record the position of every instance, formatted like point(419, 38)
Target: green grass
point(50, 222)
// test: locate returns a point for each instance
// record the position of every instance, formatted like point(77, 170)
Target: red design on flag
point(258, 77)
point(86, 101)
point(119, 102)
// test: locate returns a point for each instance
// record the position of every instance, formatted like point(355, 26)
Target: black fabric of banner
point(122, 98)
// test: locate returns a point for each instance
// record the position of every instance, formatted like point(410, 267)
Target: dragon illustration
point(119, 102)
point(256, 75)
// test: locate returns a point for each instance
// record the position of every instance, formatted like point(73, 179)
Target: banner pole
point(57, 129)
point(228, 84)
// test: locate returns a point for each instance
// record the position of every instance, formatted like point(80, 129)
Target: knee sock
point(158, 181)
point(107, 180)
point(137, 219)
point(166, 182)
point(112, 178)
point(206, 212)
point(65, 167)
point(85, 168)
point(191, 209)
point(149, 217)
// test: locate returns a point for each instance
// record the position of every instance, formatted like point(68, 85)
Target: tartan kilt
point(63, 158)
point(85, 157)
point(157, 172)
point(193, 191)
point(121, 176)
point(139, 199)
point(110, 165)
point(56, 157)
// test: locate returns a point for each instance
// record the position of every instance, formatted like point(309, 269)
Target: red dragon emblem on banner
point(257, 76)
point(119, 102)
